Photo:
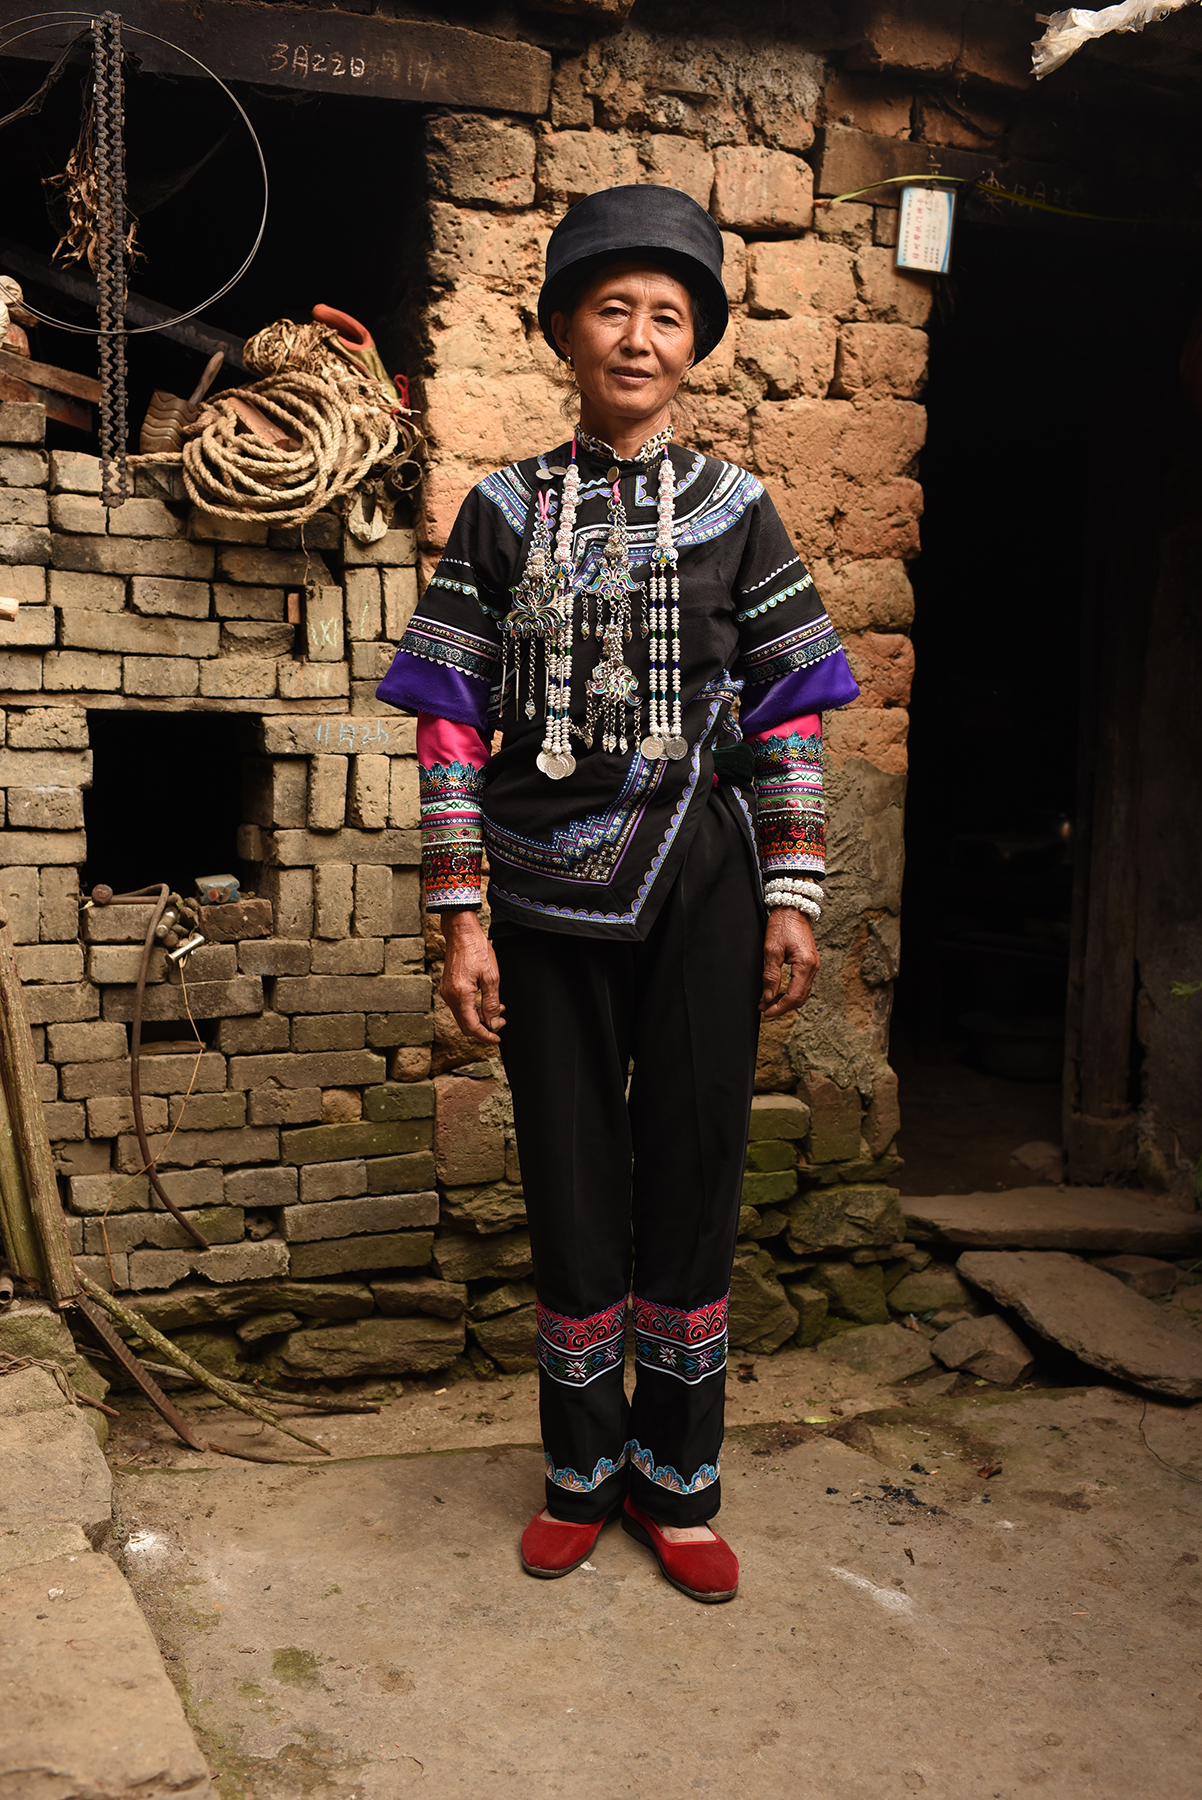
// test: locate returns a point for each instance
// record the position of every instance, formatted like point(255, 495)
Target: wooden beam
point(324, 52)
point(59, 381)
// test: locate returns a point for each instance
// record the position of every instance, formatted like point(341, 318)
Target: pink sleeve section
point(443, 741)
point(808, 725)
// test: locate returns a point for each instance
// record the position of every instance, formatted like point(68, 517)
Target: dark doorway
point(1044, 342)
point(166, 801)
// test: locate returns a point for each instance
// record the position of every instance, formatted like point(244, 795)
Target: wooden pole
point(16, 1221)
point(29, 1130)
point(134, 1322)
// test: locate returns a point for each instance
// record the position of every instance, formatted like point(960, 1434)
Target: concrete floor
point(359, 1628)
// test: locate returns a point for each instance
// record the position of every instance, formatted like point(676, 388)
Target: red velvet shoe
point(551, 1548)
point(706, 1570)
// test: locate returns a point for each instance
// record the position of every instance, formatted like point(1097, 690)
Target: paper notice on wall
point(924, 233)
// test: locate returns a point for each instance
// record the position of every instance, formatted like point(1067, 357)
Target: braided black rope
point(107, 114)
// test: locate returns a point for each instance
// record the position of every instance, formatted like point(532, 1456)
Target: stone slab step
point(1044, 1218)
point(1093, 1315)
point(54, 1471)
point(88, 1707)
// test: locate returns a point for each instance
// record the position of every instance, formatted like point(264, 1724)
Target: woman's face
point(630, 339)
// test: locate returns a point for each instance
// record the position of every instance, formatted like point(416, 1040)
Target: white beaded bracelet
point(803, 896)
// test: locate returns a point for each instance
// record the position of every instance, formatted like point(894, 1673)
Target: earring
point(571, 365)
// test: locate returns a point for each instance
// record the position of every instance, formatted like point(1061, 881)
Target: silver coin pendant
point(675, 747)
point(652, 748)
point(559, 766)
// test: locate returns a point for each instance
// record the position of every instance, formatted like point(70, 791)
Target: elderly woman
point(632, 617)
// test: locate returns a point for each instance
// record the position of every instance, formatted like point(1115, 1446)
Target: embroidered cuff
point(790, 821)
point(452, 838)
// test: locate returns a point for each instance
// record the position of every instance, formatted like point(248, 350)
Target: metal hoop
point(66, 18)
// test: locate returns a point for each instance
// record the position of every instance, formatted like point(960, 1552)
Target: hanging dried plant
point(76, 187)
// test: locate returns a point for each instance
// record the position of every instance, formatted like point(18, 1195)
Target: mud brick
point(248, 602)
point(334, 1068)
point(45, 1077)
point(778, 1116)
point(28, 585)
point(239, 678)
point(392, 1250)
point(273, 956)
point(19, 897)
point(349, 1218)
point(97, 1269)
point(469, 1141)
point(353, 956)
point(77, 512)
point(210, 528)
point(117, 924)
point(251, 1037)
point(111, 1114)
point(335, 993)
point(404, 956)
point(50, 962)
point(65, 1122)
point(370, 662)
point(338, 1031)
point(260, 1187)
point(159, 1231)
point(145, 519)
point(363, 604)
point(397, 546)
point(25, 544)
point(68, 1043)
point(81, 1081)
point(399, 1100)
point(406, 903)
point(119, 963)
point(400, 1174)
point(23, 468)
point(58, 906)
point(206, 1000)
point(79, 671)
point(373, 900)
point(327, 793)
point(367, 802)
point(313, 681)
point(235, 920)
point(164, 597)
point(24, 506)
point(88, 593)
point(290, 892)
point(74, 472)
point(160, 1075)
point(209, 1112)
point(404, 801)
point(89, 1158)
point(333, 895)
point(256, 637)
point(45, 768)
point(48, 728)
point(133, 556)
point(55, 1005)
point(293, 849)
point(22, 422)
point(388, 1031)
point(165, 676)
point(20, 671)
point(227, 1262)
point(284, 1106)
point(270, 568)
point(32, 629)
point(323, 623)
point(400, 600)
point(333, 1180)
point(322, 532)
point(211, 962)
point(329, 1143)
point(45, 809)
point(253, 1143)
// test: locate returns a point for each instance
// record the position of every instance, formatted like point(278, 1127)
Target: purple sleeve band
point(415, 685)
point(823, 685)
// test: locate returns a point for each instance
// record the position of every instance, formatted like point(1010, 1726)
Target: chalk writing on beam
point(303, 60)
point(349, 735)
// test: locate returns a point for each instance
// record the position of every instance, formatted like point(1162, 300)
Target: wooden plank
point(59, 381)
point(326, 52)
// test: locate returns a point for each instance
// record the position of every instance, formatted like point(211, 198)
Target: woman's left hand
point(790, 940)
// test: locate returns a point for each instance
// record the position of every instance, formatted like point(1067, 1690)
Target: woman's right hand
point(471, 981)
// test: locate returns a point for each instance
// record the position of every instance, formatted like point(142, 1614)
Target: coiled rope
point(338, 423)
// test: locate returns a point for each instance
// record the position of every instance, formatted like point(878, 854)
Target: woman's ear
point(560, 324)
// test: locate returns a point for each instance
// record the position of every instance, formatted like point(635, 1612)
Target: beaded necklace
point(544, 610)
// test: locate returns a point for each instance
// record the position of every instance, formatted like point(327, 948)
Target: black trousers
point(631, 1066)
